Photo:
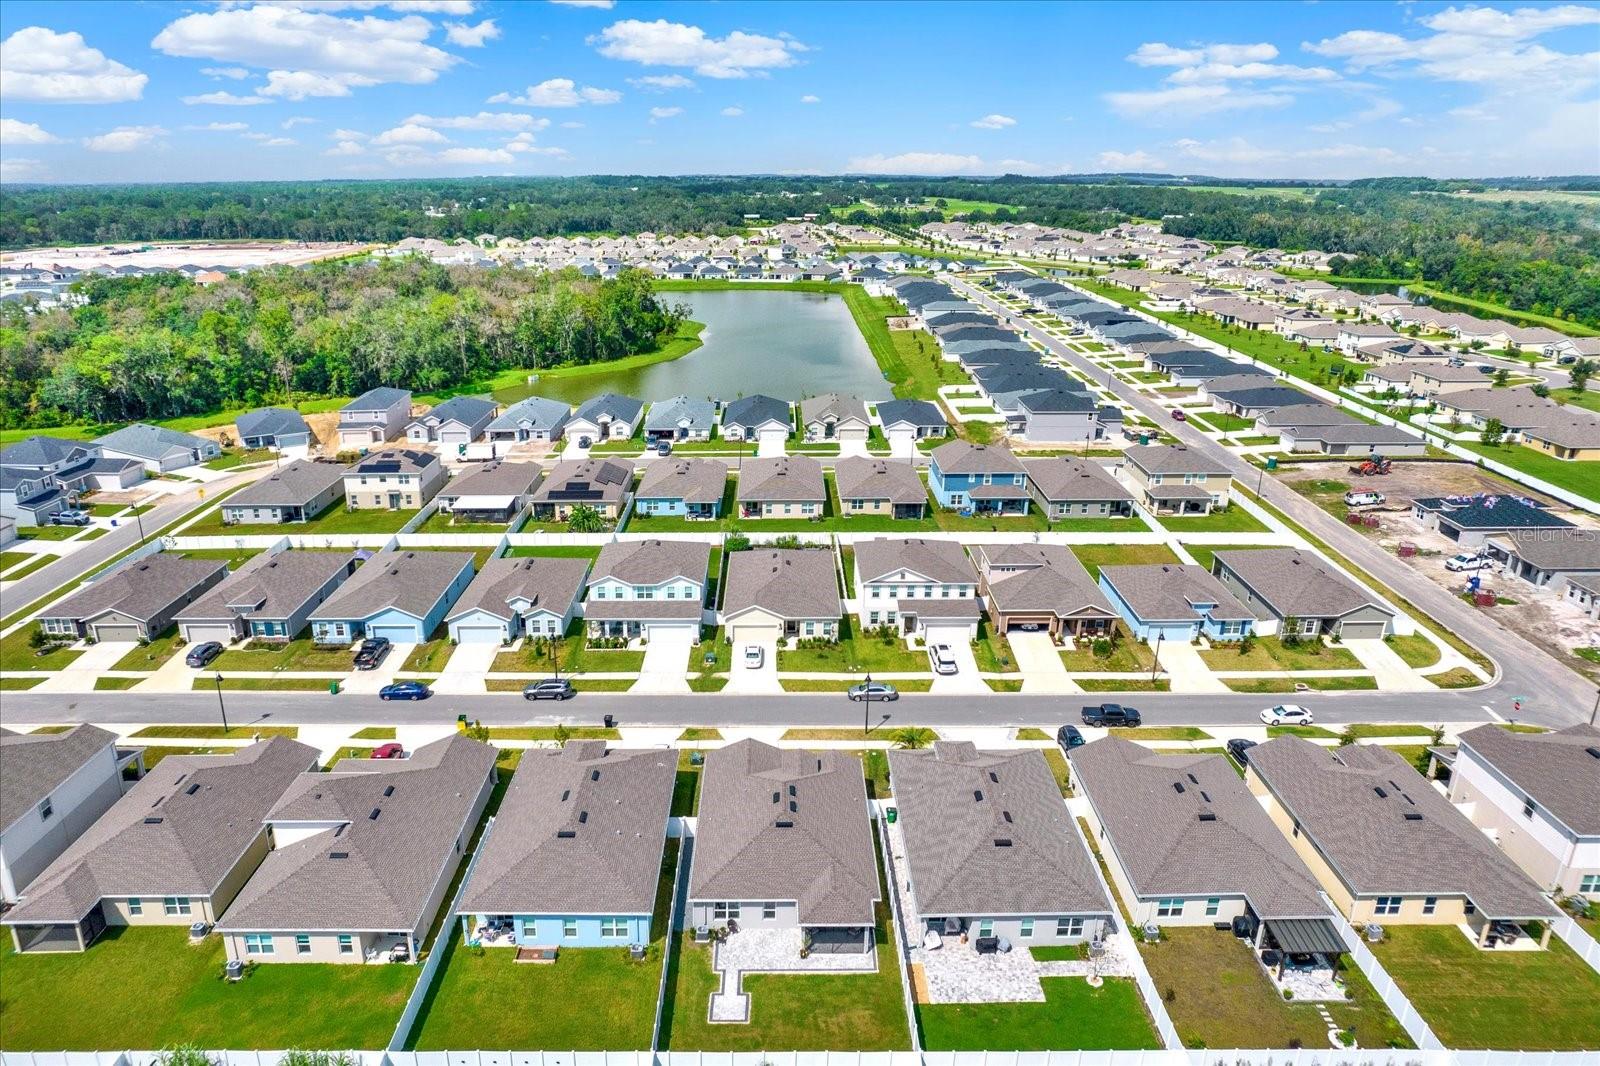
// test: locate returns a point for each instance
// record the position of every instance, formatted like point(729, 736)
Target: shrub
point(1102, 648)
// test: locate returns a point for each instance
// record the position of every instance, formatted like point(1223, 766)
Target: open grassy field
point(1073, 1015)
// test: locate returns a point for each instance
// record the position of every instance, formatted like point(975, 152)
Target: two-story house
point(56, 785)
point(917, 586)
point(982, 478)
point(1171, 479)
point(400, 479)
point(647, 588)
point(376, 416)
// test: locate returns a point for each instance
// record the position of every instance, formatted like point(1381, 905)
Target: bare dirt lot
point(1407, 480)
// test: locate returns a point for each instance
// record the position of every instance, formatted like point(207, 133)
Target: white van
point(944, 660)
point(1362, 498)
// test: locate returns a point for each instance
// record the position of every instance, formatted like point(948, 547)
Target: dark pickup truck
point(1110, 714)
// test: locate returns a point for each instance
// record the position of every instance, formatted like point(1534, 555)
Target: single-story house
point(783, 841)
point(53, 786)
point(773, 594)
point(789, 486)
point(869, 486)
point(1066, 487)
point(514, 596)
point(298, 492)
point(534, 419)
point(174, 850)
point(1549, 557)
point(751, 417)
point(680, 418)
point(1172, 479)
point(1351, 439)
point(1174, 602)
point(684, 488)
point(269, 598)
point(1437, 379)
point(398, 479)
point(911, 420)
point(376, 416)
point(362, 857)
point(136, 601)
point(574, 857)
point(276, 428)
point(608, 416)
point(834, 417)
point(1282, 584)
point(158, 448)
point(455, 423)
point(1472, 520)
point(992, 850)
point(493, 492)
point(641, 588)
point(400, 595)
point(1040, 586)
point(917, 586)
point(602, 484)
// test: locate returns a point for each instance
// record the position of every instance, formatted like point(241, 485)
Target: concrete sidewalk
point(1187, 671)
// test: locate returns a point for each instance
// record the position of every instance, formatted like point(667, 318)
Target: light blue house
point(986, 479)
point(402, 596)
point(575, 854)
point(1175, 602)
point(682, 488)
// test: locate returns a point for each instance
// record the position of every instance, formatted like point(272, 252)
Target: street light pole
point(1155, 663)
point(220, 705)
point(1596, 710)
point(866, 706)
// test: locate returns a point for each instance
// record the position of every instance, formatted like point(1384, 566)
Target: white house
point(56, 786)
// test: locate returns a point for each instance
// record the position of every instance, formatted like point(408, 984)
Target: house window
point(1387, 905)
point(1025, 932)
point(569, 928)
point(302, 943)
point(872, 618)
point(877, 591)
point(1469, 907)
point(135, 906)
point(257, 944)
point(1430, 904)
point(1527, 808)
point(986, 927)
point(1212, 906)
point(769, 912)
point(1590, 885)
point(1069, 927)
point(1169, 908)
point(45, 809)
point(613, 928)
point(721, 912)
point(175, 906)
point(347, 944)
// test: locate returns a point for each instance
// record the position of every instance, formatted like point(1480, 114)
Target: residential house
point(137, 600)
point(835, 417)
point(1534, 795)
point(402, 596)
point(1385, 846)
point(174, 850)
point(1252, 400)
point(53, 787)
point(783, 841)
point(274, 428)
point(784, 487)
point(362, 857)
point(376, 416)
point(1174, 602)
point(453, 424)
point(494, 492)
point(907, 421)
point(42, 475)
point(269, 598)
point(516, 596)
point(773, 594)
point(397, 479)
point(1433, 379)
point(1547, 557)
point(603, 484)
point(1471, 520)
point(535, 419)
point(1352, 337)
point(158, 448)
point(1187, 844)
point(605, 417)
point(1067, 487)
point(1289, 585)
point(680, 418)
point(682, 488)
point(868, 486)
point(648, 588)
point(986, 479)
point(574, 858)
point(1171, 479)
point(991, 849)
point(1063, 415)
point(297, 492)
point(917, 586)
point(1040, 586)
point(751, 417)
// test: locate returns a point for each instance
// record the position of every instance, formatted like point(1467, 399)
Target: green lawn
point(266, 684)
point(1582, 478)
point(49, 532)
point(1109, 684)
point(10, 559)
point(1416, 649)
point(147, 986)
point(39, 562)
point(1270, 653)
point(152, 656)
point(955, 522)
point(992, 651)
point(534, 657)
point(236, 457)
point(1073, 1016)
point(1126, 655)
point(429, 658)
point(444, 522)
point(1094, 556)
point(598, 999)
point(215, 732)
point(296, 655)
point(1508, 1000)
point(16, 655)
point(1362, 730)
point(1160, 732)
point(336, 519)
point(1131, 524)
point(1305, 732)
point(553, 551)
point(375, 732)
point(19, 684)
point(1287, 684)
point(854, 653)
point(548, 732)
point(1228, 520)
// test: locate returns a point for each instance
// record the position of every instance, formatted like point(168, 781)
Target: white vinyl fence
point(1578, 940)
point(1393, 998)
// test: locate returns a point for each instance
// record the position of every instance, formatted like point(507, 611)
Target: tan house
point(401, 479)
point(1171, 479)
point(1434, 379)
point(869, 486)
point(790, 486)
point(781, 593)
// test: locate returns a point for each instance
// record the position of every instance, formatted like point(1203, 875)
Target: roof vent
point(1177, 786)
point(1192, 779)
point(1413, 816)
point(583, 817)
point(192, 789)
point(373, 817)
point(994, 777)
point(1208, 816)
point(1002, 842)
point(977, 795)
point(1006, 815)
point(1381, 793)
point(784, 823)
point(594, 775)
point(777, 797)
point(152, 821)
point(1205, 795)
point(389, 791)
point(791, 790)
point(566, 834)
point(565, 793)
point(338, 854)
point(1594, 752)
point(793, 807)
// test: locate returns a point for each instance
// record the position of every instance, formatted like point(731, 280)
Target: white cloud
point(410, 133)
point(674, 44)
point(1523, 23)
point(809, 98)
point(1207, 72)
point(993, 122)
point(123, 139)
point(732, 112)
point(572, 125)
point(232, 73)
point(1124, 161)
point(659, 113)
point(1157, 54)
point(601, 5)
point(661, 83)
point(219, 127)
point(296, 120)
point(309, 52)
point(225, 99)
point(523, 144)
point(1189, 101)
point(916, 163)
point(267, 140)
point(558, 92)
point(60, 68)
point(14, 131)
point(473, 156)
point(1474, 114)
point(344, 148)
point(465, 36)
point(507, 121)
point(348, 135)
point(21, 170)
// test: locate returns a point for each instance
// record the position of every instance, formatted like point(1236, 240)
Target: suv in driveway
point(943, 658)
point(371, 653)
point(1110, 714)
point(69, 517)
point(201, 654)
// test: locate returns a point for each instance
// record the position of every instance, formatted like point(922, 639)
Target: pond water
point(785, 344)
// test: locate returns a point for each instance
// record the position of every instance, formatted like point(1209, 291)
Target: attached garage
point(653, 630)
point(954, 633)
point(479, 634)
point(398, 634)
point(113, 632)
point(771, 441)
point(759, 629)
point(1362, 630)
point(200, 632)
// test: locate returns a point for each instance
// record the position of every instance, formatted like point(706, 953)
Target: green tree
point(1579, 374)
point(586, 519)
point(1494, 432)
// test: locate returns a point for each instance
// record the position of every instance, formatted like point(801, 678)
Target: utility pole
point(220, 705)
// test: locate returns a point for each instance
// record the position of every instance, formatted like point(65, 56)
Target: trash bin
point(333, 688)
point(891, 814)
point(1272, 462)
point(610, 721)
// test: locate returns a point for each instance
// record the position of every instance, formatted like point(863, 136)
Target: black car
point(1069, 737)
point(550, 689)
point(201, 654)
point(1239, 748)
point(371, 653)
point(1111, 714)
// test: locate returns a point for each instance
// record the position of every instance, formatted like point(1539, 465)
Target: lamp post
point(1155, 663)
point(866, 706)
point(1596, 710)
point(220, 705)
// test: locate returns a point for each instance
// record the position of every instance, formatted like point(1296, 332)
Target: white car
point(1459, 563)
point(944, 660)
point(1287, 714)
point(753, 656)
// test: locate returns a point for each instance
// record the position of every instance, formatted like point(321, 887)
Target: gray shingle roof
point(1057, 401)
point(785, 824)
point(275, 586)
point(610, 405)
point(957, 804)
point(1039, 577)
point(1168, 592)
point(681, 412)
point(178, 832)
point(1295, 582)
point(859, 477)
point(750, 412)
point(1555, 769)
point(151, 442)
point(539, 858)
point(270, 421)
point(370, 873)
point(543, 584)
point(1158, 834)
point(140, 589)
point(602, 481)
point(470, 411)
point(1334, 795)
point(782, 479)
point(650, 562)
point(1555, 549)
point(833, 405)
point(792, 583)
point(394, 461)
point(34, 765)
point(409, 581)
point(1171, 459)
point(689, 480)
point(910, 412)
point(379, 399)
point(537, 411)
point(964, 457)
point(1068, 478)
point(293, 485)
point(1309, 414)
point(41, 451)
point(496, 478)
point(943, 561)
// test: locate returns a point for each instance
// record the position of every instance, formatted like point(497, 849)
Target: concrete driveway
point(966, 678)
point(1391, 671)
point(772, 444)
point(761, 680)
point(852, 447)
point(666, 659)
point(1187, 671)
point(80, 674)
point(1039, 661)
point(465, 670)
point(373, 680)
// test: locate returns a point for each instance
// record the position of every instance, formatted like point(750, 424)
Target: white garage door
point(902, 444)
point(401, 634)
point(668, 630)
point(110, 634)
point(199, 634)
point(480, 634)
point(952, 633)
point(770, 442)
point(765, 635)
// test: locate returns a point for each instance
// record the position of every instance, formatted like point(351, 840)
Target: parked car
point(663, 447)
point(1363, 498)
point(1069, 737)
point(1111, 714)
point(877, 690)
point(1287, 714)
point(1566, 360)
point(371, 653)
point(69, 517)
point(1467, 562)
point(753, 656)
point(200, 655)
point(1239, 748)
point(404, 690)
point(1483, 368)
point(585, 442)
point(390, 750)
point(943, 658)
point(551, 688)
point(1178, 415)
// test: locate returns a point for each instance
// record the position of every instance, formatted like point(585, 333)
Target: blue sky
point(356, 88)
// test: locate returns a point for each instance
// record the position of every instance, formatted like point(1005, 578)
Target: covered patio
point(998, 499)
point(1178, 500)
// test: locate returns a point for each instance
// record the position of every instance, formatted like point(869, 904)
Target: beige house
point(401, 479)
point(774, 594)
point(786, 487)
point(871, 486)
point(1171, 479)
